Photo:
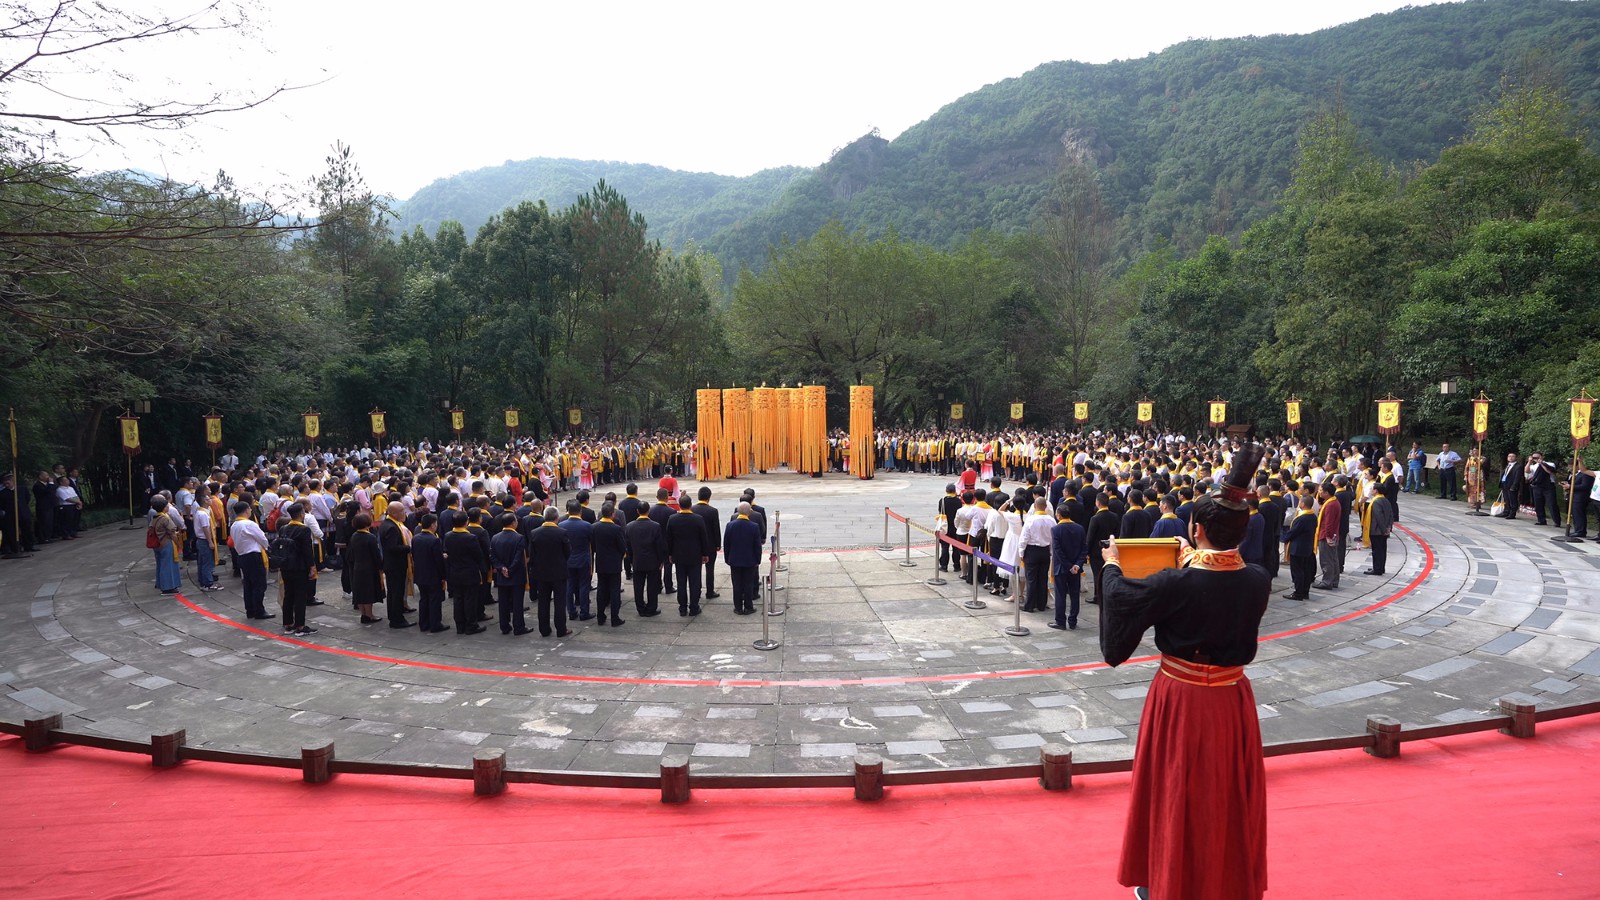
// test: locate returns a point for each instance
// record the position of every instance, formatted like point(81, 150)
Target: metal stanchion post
point(1017, 629)
point(777, 534)
point(908, 563)
point(772, 584)
point(938, 547)
point(885, 546)
point(766, 642)
point(972, 563)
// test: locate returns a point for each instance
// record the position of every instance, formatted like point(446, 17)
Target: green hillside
point(680, 206)
point(1192, 141)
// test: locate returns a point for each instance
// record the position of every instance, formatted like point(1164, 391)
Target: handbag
point(1498, 508)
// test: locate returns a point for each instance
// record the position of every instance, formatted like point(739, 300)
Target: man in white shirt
point(229, 461)
point(1036, 556)
point(1448, 460)
point(250, 542)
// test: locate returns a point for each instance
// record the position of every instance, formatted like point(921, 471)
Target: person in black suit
point(628, 509)
point(1069, 553)
point(1346, 496)
point(427, 570)
point(1272, 510)
point(44, 504)
point(742, 551)
point(1541, 479)
point(949, 505)
point(584, 512)
point(1301, 536)
point(1136, 522)
point(1511, 486)
point(689, 549)
point(508, 564)
point(363, 563)
point(547, 570)
point(647, 550)
point(465, 563)
point(661, 514)
point(713, 521)
point(1103, 525)
point(610, 549)
point(758, 513)
point(393, 537)
point(18, 527)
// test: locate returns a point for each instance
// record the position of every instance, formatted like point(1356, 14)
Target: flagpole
point(16, 489)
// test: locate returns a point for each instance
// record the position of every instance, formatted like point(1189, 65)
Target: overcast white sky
point(425, 90)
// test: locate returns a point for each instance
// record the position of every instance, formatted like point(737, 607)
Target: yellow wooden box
point(1142, 557)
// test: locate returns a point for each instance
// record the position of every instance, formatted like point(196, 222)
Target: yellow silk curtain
point(861, 433)
point(814, 429)
point(736, 430)
point(711, 450)
point(783, 446)
point(763, 428)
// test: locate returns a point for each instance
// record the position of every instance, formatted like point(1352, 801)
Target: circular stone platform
point(872, 658)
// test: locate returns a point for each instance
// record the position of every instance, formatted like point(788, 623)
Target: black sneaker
point(306, 629)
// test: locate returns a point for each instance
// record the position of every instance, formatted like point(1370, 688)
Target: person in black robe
point(363, 563)
point(1197, 820)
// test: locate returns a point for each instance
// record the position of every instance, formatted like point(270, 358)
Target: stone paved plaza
point(872, 658)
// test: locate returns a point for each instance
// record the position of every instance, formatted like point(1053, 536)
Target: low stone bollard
point(1056, 760)
point(489, 772)
point(869, 776)
point(675, 778)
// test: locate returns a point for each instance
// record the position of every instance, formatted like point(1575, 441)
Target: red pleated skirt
point(1197, 824)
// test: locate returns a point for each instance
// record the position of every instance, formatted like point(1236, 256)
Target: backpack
point(280, 548)
point(150, 539)
point(272, 518)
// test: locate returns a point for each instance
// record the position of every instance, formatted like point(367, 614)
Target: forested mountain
point(682, 206)
point(1196, 140)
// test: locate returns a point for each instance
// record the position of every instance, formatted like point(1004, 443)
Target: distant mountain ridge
point(1195, 140)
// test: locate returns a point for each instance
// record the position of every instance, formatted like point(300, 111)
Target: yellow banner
point(313, 423)
point(958, 411)
point(1016, 412)
point(458, 420)
point(574, 416)
point(1582, 410)
point(379, 429)
point(1219, 413)
point(1388, 416)
point(1147, 411)
point(1292, 411)
point(1480, 419)
point(213, 431)
point(130, 434)
point(513, 419)
point(1080, 412)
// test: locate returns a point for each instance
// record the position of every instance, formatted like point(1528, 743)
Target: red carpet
point(1476, 816)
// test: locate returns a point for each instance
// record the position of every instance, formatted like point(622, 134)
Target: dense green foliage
point(1208, 230)
point(1197, 140)
point(682, 206)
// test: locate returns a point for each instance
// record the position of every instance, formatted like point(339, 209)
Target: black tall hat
point(1234, 493)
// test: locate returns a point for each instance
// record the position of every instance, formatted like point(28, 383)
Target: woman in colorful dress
point(1475, 479)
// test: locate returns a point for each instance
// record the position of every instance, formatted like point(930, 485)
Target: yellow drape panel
point(764, 428)
point(862, 443)
point(736, 429)
point(814, 429)
point(710, 448)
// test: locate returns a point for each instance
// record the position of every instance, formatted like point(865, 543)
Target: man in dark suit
point(1136, 523)
point(580, 559)
point(758, 513)
point(1511, 486)
point(610, 548)
point(485, 595)
point(689, 549)
point(742, 551)
point(428, 571)
point(628, 509)
point(713, 521)
point(647, 550)
point(661, 514)
point(1069, 553)
point(508, 565)
point(1541, 480)
point(394, 537)
point(1301, 536)
point(1272, 510)
point(1103, 525)
point(465, 563)
point(949, 505)
point(547, 569)
point(1346, 496)
point(584, 512)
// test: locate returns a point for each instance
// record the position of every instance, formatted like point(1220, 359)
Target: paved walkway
point(872, 657)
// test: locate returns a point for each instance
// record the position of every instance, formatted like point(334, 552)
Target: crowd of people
point(484, 527)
